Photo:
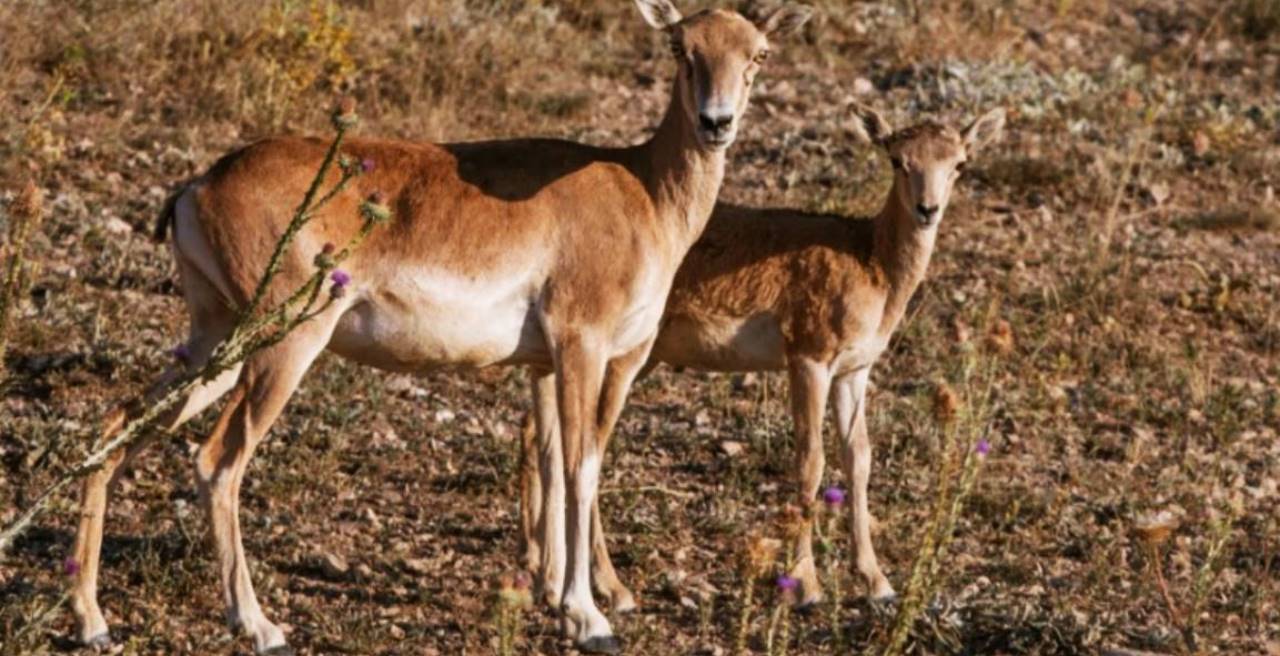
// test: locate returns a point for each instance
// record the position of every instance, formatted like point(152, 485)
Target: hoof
point(100, 642)
point(807, 606)
point(600, 645)
point(889, 599)
point(278, 650)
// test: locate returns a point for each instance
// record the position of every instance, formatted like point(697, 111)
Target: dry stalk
point(25, 216)
point(255, 329)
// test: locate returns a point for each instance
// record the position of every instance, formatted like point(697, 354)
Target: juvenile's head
point(927, 158)
point(719, 53)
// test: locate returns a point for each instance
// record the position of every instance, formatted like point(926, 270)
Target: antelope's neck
point(682, 177)
point(902, 251)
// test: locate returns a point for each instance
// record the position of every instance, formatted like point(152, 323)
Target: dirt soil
point(1115, 261)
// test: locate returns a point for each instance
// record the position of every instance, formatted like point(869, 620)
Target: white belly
point(422, 319)
point(722, 343)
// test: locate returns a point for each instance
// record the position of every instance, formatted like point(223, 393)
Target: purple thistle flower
point(983, 447)
point(833, 496)
point(70, 567)
point(367, 165)
point(786, 583)
point(181, 353)
point(340, 278)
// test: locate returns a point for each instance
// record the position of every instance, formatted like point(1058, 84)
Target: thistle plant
point(1220, 529)
point(1153, 531)
point(780, 624)
point(833, 498)
point(759, 557)
point(25, 215)
point(512, 600)
point(260, 324)
point(963, 422)
point(793, 522)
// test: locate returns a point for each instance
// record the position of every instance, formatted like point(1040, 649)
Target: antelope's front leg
point(855, 454)
point(580, 368)
point(266, 382)
point(810, 382)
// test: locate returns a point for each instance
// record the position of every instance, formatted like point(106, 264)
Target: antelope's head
point(719, 53)
point(927, 157)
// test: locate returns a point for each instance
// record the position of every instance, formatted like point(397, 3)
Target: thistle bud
point(374, 209)
point(344, 115)
point(340, 280)
point(945, 403)
point(1154, 529)
point(324, 259)
point(1001, 337)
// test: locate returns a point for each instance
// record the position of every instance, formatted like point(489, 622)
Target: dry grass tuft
point(1238, 218)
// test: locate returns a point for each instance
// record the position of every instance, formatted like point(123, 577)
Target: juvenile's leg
point(268, 380)
point(810, 382)
point(855, 455)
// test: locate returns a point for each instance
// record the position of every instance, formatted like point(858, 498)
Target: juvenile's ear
point(660, 14)
point(869, 125)
point(785, 19)
point(983, 130)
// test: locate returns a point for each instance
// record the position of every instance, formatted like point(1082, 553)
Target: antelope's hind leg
point(849, 394)
point(267, 381)
point(96, 488)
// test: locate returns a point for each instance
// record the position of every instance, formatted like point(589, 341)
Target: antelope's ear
point(784, 20)
point(869, 125)
point(659, 14)
point(983, 130)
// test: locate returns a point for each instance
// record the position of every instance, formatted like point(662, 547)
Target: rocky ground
point(1122, 243)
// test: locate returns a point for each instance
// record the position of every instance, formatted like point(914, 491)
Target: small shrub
point(1260, 19)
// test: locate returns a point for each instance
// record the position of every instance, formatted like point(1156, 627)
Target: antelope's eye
point(761, 57)
point(961, 166)
point(897, 163)
point(677, 49)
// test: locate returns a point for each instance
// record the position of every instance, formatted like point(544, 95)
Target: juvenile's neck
point(902, 250)
point(682, 177)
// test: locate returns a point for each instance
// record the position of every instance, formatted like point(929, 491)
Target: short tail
point(161, 231)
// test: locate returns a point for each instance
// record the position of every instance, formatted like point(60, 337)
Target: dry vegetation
point(1115, 262)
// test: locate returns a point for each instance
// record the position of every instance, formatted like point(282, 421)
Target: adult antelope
point(815, 295)
point(535, 252)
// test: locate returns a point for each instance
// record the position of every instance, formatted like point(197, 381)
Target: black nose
point(715, 124)
point(927, 210)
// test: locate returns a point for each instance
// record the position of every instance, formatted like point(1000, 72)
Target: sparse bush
point(1260, 19)
point(25, 215)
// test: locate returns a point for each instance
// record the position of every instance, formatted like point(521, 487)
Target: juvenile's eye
point(961, 166)
point(897, 163)
point(761, 57)
point(677, 49)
